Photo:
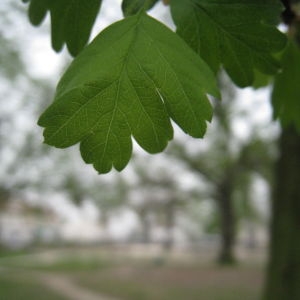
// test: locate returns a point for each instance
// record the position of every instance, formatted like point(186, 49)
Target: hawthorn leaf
point(286, 90)
point(261, 80)
point(131, 7)
point(130, 81)
point(37, 11)
point(71, 21)
point(241, 35)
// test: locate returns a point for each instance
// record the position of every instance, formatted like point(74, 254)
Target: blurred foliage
point(286, 90)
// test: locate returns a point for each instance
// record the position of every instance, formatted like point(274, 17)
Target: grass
point(64, 263)
point(15, 288)
point(73, 264)
point(4, 253)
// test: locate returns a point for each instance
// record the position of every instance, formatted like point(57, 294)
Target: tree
point(110, 198)
point(158, 195)
point(220, 168)
point(283, 274)
point(137, 75)
point(284, 264)
point(227, 165)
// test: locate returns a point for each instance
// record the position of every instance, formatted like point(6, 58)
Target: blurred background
point(190, 223)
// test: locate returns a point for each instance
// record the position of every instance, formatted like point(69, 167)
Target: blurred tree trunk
point(104, 225)
point(227, 218)
point(145, 225)
point(283, 277)
point(170, 214)
point(5, 196)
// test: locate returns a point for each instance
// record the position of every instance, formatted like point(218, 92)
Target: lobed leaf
point(71, 21)
point(130, 81)
point(241, 35)
point(37, 11)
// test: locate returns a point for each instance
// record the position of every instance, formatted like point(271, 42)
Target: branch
point(288, 15)
point(195, 164)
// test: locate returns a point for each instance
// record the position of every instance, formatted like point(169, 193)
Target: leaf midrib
point(171, 68)
point(92, 98)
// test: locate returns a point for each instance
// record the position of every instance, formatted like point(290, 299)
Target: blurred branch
point(198, 164)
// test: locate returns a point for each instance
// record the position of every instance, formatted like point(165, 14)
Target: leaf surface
point(261, 80)
point(286, 90)
point(71, 21)
point(241, 35)
point(134, 77)
point(131, 7)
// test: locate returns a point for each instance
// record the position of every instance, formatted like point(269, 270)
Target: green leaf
point(134, 77)
point(239, 34)
point(286, 90)
point(131, 7)
point(71, 21)
point(260, 80)
point(37, 11)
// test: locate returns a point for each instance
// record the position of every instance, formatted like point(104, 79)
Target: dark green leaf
point(71, 21)
point(260, 80)
point(286, 91)
point(238, 34)
point(134, 77)
point(131, 7)
point(37, 11)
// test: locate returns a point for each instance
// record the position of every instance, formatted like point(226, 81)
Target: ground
point(110, 274)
